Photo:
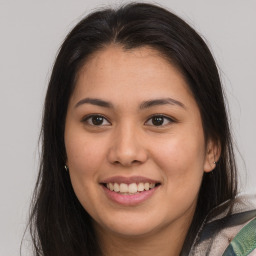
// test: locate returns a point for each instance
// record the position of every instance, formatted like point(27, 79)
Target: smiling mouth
point(130, 189)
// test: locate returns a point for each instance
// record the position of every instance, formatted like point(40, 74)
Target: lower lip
point(129, 200)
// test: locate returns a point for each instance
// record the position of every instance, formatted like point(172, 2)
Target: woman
point(137, 154)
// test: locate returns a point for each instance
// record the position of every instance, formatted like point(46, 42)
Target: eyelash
point(88, 120)
point(169, 120)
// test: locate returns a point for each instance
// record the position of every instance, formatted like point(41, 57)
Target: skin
point(128, 143)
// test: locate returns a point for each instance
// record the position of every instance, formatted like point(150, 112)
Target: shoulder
point(219, 232)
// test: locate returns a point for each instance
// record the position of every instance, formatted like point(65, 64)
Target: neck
point(165, 242)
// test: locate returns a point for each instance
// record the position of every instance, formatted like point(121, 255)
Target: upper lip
point(128, 180)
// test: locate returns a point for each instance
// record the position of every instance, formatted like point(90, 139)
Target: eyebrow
point(97, 102)
point(143, 105)
point(157, 102)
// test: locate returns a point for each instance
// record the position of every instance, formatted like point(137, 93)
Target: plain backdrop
point(30, 35)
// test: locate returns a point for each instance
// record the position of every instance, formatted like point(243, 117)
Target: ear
point(213, 151)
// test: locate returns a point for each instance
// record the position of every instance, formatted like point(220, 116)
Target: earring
point(215, 162)
point(66, 167)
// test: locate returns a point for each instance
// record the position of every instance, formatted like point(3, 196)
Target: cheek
point(181, 159)
point(84, 155)
point(181, 163)
point(84, 158)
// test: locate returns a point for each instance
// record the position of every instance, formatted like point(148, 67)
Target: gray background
point(30, 34)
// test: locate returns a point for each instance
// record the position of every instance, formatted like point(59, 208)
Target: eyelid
point(87, 117)
point(170, 119)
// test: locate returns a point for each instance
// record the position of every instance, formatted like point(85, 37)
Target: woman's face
point(135, 144)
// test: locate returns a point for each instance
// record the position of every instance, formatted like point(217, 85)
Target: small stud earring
point(215, 162)
point(66, 167)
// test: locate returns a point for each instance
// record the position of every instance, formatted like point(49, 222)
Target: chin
point(131, 227)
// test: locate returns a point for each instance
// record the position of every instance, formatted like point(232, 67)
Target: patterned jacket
point(226, 234)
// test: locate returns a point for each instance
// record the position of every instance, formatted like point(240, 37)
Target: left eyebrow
point(157, 102)
point(94, 101)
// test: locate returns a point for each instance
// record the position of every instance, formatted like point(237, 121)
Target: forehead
point(142, 72)
point(115, 57)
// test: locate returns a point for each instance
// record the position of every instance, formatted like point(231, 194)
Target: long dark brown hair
point(59, 225)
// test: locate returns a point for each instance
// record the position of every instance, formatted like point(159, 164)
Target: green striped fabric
point(244, 242)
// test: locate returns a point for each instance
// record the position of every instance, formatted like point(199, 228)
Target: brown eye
point(96, 120)
point(159, 120)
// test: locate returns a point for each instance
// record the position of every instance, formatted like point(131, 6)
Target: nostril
point(126, 162)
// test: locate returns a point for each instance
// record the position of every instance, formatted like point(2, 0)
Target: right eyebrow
point(159, 102)
point(94, 101)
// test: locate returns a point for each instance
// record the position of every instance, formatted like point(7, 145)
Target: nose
point(127, 147)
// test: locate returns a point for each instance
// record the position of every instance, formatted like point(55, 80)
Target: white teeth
point(132, 188)
point(146, 186)
point(140, 187)
point(124, 188)
point(116, 187)
point(152, 185)
point(111, 186)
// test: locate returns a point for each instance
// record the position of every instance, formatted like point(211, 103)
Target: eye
point(159, 120)
point(96, 120)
